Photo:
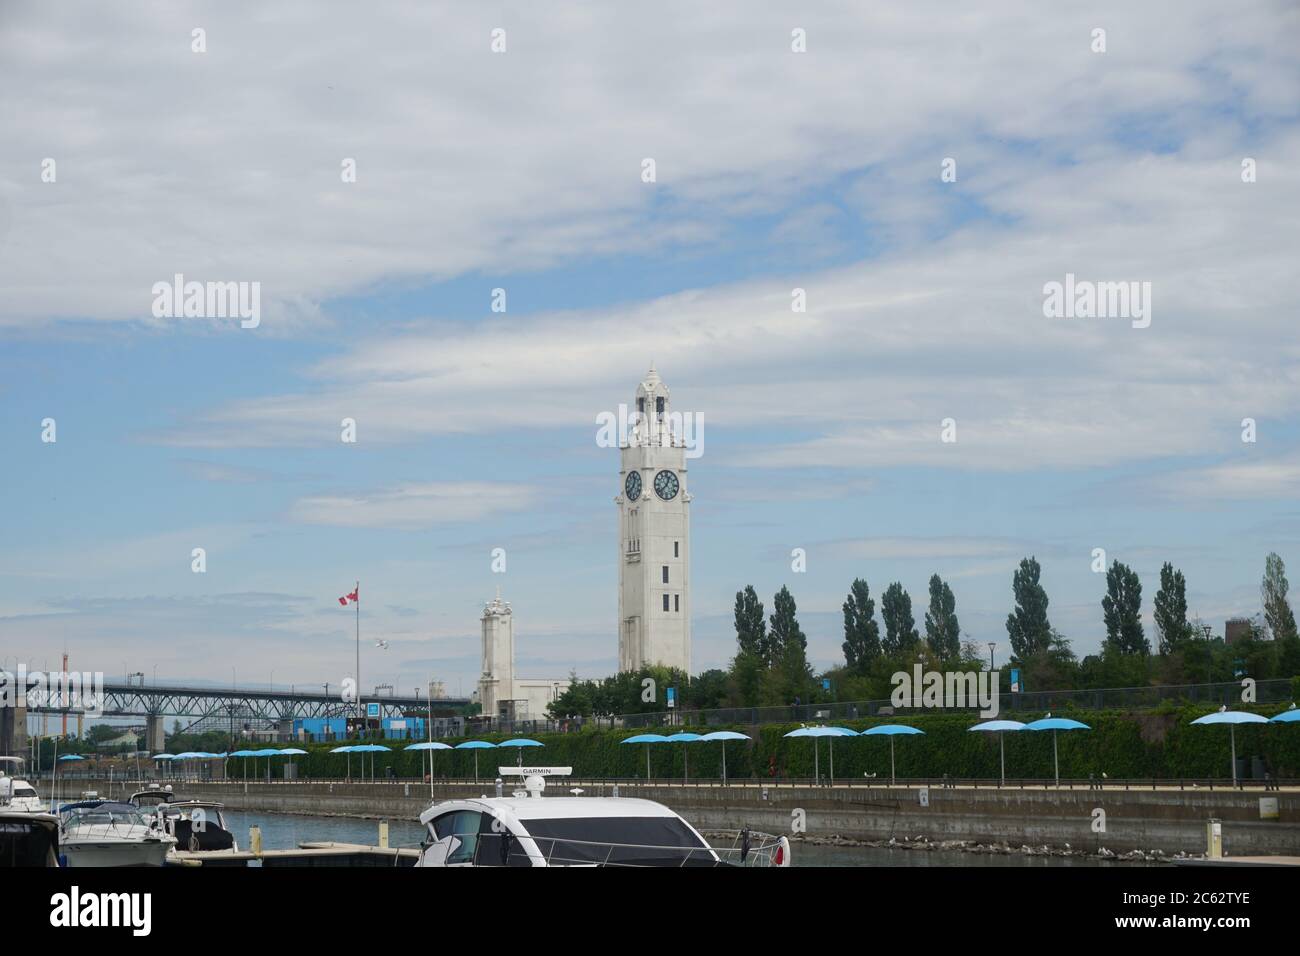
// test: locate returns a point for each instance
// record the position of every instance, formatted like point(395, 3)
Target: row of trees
point(771, 663)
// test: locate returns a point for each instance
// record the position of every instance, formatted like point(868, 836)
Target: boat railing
point(93, 823)
point(744, 848)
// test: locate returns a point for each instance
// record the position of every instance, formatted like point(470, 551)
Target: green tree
point(707, 691)
point(1122, 610)
point(751, 628)
point(942, 632)
point(861, 632)
point(753, 655)
point(901, 635)
point(791, 675)
point(1051, 669)
point(1171, 610)
point(1028, 626)
point(1273, 589)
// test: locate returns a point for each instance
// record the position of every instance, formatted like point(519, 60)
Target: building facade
point(500, 693)
point(654, 535)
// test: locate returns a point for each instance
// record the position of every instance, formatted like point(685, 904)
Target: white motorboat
point(197, 825)
point(15, 792)
point(28, 839)
point(104, 833)
point(528, 830)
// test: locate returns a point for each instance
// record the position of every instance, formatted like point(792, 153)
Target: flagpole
point(357, 592)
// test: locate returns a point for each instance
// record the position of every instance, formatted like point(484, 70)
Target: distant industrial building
point(1237, 629)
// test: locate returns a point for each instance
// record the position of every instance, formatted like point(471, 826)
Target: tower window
point(677, 602)
point(665, 574)
point(675, 554)
point(659, 406)
point(665, 602)
point(640, 405)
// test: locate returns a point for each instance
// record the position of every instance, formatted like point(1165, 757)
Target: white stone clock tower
point(654, 536)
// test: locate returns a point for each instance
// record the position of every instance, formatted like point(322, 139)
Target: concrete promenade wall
point(1168, 820)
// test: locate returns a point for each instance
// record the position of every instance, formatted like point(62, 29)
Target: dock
point(1239, 861)
point(305, 854)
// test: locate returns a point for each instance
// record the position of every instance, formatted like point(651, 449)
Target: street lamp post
point(992, 645)
point(429, 731)
point(1209, 657)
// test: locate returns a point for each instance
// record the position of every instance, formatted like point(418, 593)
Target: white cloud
point(226, 164)
point(413, 506)
point(890, 348)
point(1270, 478)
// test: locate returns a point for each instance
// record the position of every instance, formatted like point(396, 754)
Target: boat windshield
point(26, 843)
point(103, 814)
point(625, 841)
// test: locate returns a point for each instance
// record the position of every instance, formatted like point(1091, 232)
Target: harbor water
point(286, 831)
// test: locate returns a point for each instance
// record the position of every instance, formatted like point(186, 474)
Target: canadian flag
point(350, 597)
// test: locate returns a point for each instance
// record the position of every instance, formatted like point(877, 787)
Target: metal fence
point(1111, 698)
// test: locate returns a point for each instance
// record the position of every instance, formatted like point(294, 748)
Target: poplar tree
point(900, 627)
point(1171, 610)
point(1122, 609)
point(1273, 589)
point(942, 632)
point(1027, 626)
point(861, 632)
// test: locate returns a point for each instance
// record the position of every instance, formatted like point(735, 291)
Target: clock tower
point(654, 535)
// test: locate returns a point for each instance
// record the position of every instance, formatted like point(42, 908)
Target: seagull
point(382, 645)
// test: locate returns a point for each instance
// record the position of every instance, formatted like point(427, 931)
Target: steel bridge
point(136, 700)
point(156, 702)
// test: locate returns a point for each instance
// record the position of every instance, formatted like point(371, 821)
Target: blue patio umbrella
point(999, 727)
point(723, 736)
point(1232, 718)
point(476, 746)
point(815, 732)
point(245, 754)
point(285, 752)
point(684, 737)
point(1054, 724)
point(646, 739)
point(347, 749)
point(371, 749)
point(891, 731)
point(166, 757)
point(1288, 716)
point(72, 757)
point(521, 743)
point(429, 745)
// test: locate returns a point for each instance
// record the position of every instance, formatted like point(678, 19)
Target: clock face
point(666, 485)
point(633, 485)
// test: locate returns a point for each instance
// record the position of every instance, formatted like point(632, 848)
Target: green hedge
point(1160, 743)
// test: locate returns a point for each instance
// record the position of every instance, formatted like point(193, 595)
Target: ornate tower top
point(652, 408)
point(496, 607)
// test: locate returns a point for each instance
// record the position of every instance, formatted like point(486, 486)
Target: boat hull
point(114, 853)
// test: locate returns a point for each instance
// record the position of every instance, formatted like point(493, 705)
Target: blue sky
point(521, 171)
